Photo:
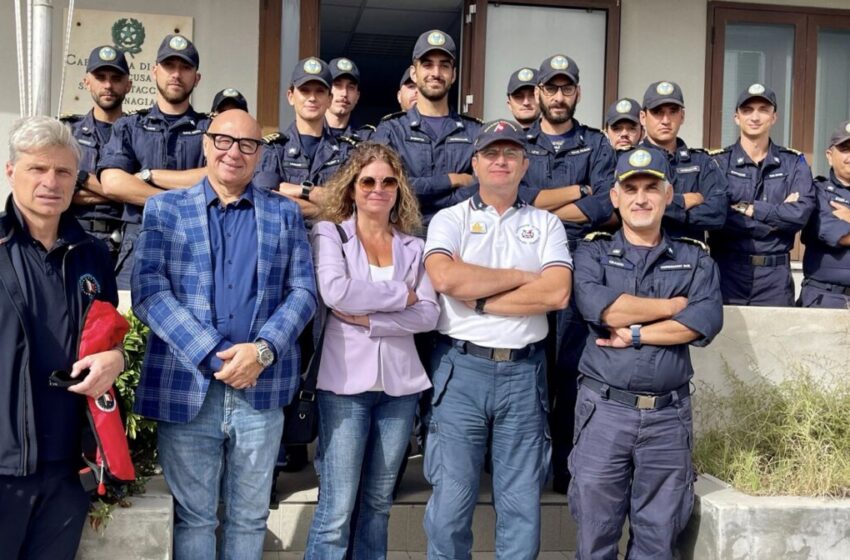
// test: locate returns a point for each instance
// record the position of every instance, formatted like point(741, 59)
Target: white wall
point(225, 32)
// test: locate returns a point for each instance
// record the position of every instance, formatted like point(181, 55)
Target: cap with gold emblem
point(434, 40)
point(642, 161)
point(344, 67)
point(662, 93)
point(524, 77)
point(229, 98)
point(311, 69)
point(557, 65)
point(756, 91)
point(625, 109)
point(107, 57)
point(180, 47)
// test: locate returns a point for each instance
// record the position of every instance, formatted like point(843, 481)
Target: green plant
point(791, 438)
point(141, 432)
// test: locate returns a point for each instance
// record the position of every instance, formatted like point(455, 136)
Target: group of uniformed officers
point(641, 213)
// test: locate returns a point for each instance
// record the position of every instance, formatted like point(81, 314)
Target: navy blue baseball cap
point(499, 131)
point(557, 65)
point(179, 46)
point(344, 67)
point(757, 91)
point(311, 70)
point(660, 93)
point(625, 109)
point(841, 134)
point(524, 77)
point(642, 161)
point(434, 40)
point(405, 78)
point(107, 57)
point(229, 95)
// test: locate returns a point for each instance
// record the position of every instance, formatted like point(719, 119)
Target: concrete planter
point(729, 525)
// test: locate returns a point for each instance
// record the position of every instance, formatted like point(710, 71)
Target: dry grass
point(786, 439)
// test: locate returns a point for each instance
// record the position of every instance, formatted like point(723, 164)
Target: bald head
point(232, 146)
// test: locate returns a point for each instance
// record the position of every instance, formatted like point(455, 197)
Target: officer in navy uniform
point(772, 196)
point(622, 124)
point(434, 141)
point(407, 92)
point(570, 172)
point(345, 93)
point(522, 98)
point(699, 199)
point(108, 80)
point(228, 98)
point(304, 156)
point(155, 149)
point(826, 262)
point(647, 297)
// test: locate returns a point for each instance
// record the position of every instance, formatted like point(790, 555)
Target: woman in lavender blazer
point(378, 295)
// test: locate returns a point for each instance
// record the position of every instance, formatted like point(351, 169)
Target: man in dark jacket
point(50, 271)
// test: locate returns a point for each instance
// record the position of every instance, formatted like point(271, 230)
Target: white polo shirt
point(524, 237)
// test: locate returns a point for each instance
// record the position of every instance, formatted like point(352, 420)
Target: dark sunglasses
point(369, 183)
point(223, 142)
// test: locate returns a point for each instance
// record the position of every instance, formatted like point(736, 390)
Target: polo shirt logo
point(478, 227)
point(528, 234)
point(89, 285)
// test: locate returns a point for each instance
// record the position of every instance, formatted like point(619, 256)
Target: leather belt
point(758, 260)
point(834, 288)
point(494, 354)
point(641, 401)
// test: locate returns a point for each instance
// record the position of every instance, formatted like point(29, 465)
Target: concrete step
point(289, 524)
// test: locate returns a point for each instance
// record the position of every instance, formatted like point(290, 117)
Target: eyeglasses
point(551, 89)
point(510, 154)
point(223, 142)
point(368, 184)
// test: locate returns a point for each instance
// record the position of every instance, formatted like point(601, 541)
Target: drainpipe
point(42, 21)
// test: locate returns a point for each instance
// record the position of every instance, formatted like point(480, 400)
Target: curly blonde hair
point(338, 204)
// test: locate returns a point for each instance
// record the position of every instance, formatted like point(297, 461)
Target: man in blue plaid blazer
point(224, 279)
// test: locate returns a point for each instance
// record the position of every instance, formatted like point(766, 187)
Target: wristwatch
point(306, 187)
point(265, 355)
point(585, 190)
point(146, 175)
point(479, 305)
point(741, 207)
point(635, 335)
point(82, 177)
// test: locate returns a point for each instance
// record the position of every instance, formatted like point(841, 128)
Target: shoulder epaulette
point(141, 112)
point(392, 116)
point(269, 138)
point(348, 140)
point(598, 235)
point(591, 129)
point(471, 118)
point(368, 127)
point(70, 117)
point(791, 150)
point(716, 151)
point(692, 241)
point(697, 150)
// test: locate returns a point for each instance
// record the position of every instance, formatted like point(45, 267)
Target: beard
point(558, 119)
point(431, 95)
point(174, 98)
point(115, 103)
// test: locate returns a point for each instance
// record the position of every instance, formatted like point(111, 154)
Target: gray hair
point(31, 134)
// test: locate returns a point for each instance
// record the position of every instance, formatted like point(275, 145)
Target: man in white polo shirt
point(499, 265)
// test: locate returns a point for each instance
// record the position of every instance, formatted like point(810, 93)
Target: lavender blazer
point(352, 356)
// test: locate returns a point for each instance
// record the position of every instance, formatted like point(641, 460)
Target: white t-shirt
point(524, 237)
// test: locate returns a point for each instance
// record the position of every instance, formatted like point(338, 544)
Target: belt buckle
point(758, 260)
point(501, 354)
point(645, 402)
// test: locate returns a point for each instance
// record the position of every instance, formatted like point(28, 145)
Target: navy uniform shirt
point(825, 260)
point(146, 140)
point(585, 158)
point(361, 134)
point(693, 171)
point(427, 160)
point(92, 138)
point(775, 222)
point(609, 266)
point(286, 160)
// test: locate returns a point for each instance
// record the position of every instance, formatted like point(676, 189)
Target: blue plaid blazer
point(172, 291)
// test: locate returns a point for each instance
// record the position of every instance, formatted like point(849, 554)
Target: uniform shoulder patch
point(272, 138)
point(466, 117)
point(716, 151)
point(593, 130)
point(697, 150)
point(70, 117)
point(369, 127)
point(598, 236)
point(348, 140)
point(392, 116)
point(692, 241)
point(790, 150)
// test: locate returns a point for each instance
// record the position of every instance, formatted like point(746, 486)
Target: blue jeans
point(475, 398)
point(361, 438)
point(229, 447)
point(630, 462)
